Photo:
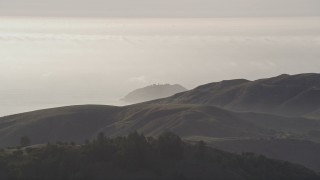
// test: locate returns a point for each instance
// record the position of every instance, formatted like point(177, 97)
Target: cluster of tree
point(138, 157)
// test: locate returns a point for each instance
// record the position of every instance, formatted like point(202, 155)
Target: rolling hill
point(80, 123)
point(286, 95)
point(296, 151)
point(77, 123)
point(234, 114)
point(135, 157)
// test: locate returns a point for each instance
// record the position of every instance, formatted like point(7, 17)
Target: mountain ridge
point(84, 122)
point(286, 95)
point(205, 112)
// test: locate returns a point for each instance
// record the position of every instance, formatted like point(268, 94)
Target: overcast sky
point(49, 62)
point(55, 62)
point(160, 8)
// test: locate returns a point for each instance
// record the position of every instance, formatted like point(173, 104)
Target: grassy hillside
point(296, 95)
point(74, 123)
point(78, 123)
point(195, 118)
point(137, 157)
point(81, 123)
point(295, 127)
point(293, 150)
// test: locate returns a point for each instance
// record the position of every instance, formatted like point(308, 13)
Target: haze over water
point(49, 62)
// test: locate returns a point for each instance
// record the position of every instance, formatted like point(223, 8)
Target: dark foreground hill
point(288, 95)
point(265, 101)
point(137, 157)
point(80, 123)
point(293, 150)
point(153, 92)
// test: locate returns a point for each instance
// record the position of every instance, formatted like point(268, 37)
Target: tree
point(101, 137)
point(170, 146)
point(134, 151)
point(25, 141)
point(201, 150)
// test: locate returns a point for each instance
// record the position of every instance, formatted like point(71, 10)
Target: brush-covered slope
point(289, 95)
point(80, 123)
point(153, 92)
point(293, 150)
point(138, 158)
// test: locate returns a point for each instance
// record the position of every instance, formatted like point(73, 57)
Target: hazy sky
point(47, 62)
point(160, 8)
point(54, 62)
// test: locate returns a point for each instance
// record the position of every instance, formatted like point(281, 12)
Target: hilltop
point(153, 92)
point(285, 95)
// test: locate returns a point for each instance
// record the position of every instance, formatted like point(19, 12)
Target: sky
point(160, 8)
point(53, 53)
